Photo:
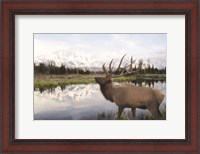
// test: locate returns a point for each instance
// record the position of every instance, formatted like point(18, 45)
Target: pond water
point(82, 102)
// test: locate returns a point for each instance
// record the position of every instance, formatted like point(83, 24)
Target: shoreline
point(51, 81)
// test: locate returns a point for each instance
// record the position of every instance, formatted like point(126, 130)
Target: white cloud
point(106, 46)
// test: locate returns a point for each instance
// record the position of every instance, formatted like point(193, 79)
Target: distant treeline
point(151, 70)
point(51, 68)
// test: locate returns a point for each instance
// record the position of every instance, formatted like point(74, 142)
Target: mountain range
point(77, 59)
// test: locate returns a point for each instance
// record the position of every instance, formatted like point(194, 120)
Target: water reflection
point(80, 102)
point(146, 83)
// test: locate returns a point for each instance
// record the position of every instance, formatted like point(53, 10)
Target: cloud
point(106, 46)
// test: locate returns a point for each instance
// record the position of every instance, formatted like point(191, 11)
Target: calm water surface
point(80, 102)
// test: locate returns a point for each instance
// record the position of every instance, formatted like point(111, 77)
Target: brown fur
point(131, 96)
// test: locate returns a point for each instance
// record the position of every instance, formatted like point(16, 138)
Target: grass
point(113, 116)
point(150, 117)
point(127, 115)
point(53, 81)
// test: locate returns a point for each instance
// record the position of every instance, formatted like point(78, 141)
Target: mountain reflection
point(72, 93)
point(77, 102)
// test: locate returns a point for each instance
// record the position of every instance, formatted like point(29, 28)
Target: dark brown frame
point(169, 7)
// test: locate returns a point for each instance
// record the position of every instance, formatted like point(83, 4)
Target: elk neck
point(107, 90)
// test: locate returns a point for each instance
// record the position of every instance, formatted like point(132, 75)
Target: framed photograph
point(100, 76)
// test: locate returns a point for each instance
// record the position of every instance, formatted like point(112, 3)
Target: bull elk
point(128, 95)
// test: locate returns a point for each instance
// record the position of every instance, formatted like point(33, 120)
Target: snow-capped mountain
point(71, 60)
point(77, 59)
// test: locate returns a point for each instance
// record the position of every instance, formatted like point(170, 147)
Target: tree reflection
point(147, 83)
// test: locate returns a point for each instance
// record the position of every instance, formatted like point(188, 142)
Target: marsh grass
point(112, 115)
point(150, 117)
point(127, 115)
point(53, 81)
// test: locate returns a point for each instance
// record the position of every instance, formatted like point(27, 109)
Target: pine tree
point(42, 68)
point(62, 69)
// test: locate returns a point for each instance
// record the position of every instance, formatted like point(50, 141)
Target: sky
point(140, 46)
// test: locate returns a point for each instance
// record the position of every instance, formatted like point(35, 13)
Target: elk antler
point(123, 71)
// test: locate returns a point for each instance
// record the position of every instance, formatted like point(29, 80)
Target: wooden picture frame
point(12, 8)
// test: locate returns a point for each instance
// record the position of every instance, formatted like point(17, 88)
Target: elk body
point(129, 95)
